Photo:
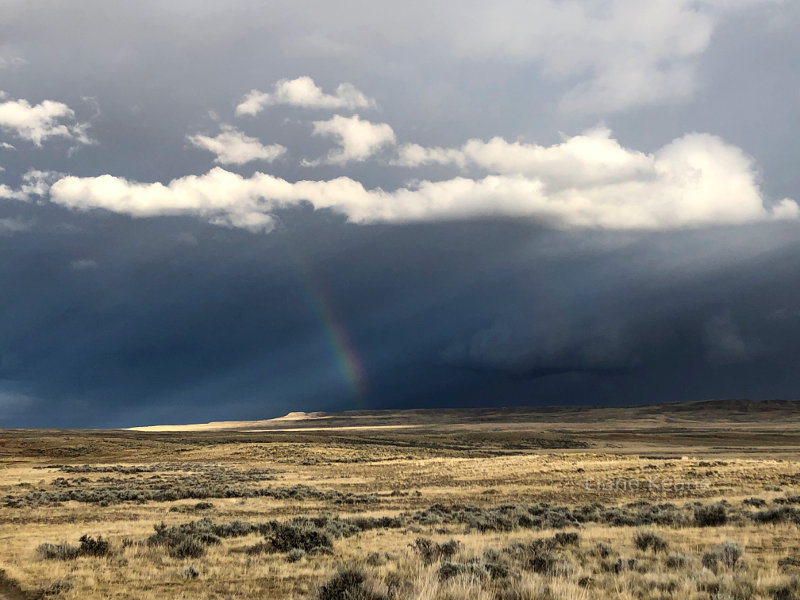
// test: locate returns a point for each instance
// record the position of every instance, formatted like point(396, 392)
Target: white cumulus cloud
point(358, 140)
point(35, 182)
point(8, 193)
point(591, 158)
point(695, 181)
point(38, 122)
point(233, 147)
point(303, 92)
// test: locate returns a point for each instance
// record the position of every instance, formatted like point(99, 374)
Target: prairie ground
point(679, 503)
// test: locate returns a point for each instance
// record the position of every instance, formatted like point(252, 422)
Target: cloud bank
point(605, 57)
point(591, 158)
point(303, 92)
point(586, 182)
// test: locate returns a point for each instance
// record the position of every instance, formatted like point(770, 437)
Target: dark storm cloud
point(113, 320)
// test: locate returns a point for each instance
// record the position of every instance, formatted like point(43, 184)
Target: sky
point(232, 210)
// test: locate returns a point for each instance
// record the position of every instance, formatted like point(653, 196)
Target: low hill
point(734, 412)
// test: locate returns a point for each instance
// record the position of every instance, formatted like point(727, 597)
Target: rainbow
point(343, 349)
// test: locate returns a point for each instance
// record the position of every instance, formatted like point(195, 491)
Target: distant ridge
point(735, 405)
point(737, 410)
point(300, 416)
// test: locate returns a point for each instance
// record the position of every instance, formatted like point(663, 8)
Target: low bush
point(62, 551)
point(285, 538)
point(777, 514)
point(647, 540)
point(190, 573)
point(602, 550)
point(566, 538)
point(188, 488)
point(618, 566)
point(347, 584)
point(472, 570)
point(94, 547)
point(542, 556)
point(59, 586)
point(259, 548)
point(754, 502)
point(712, 515)
point(375, 559)
point(430, 551)
point(191, 540)
point(543, 562)
point(496, 570)
point(88, 546)
point(188, 547)
point(295, 554)
point(509, 517)
point(789, 561)
point(676, 561)
point(727, 554)
point(739, 588)
point(789, 590)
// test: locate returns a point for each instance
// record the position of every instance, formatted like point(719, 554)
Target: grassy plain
point(678, 501)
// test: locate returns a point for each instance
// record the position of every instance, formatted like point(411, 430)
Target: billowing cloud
point(697, 180)
point(7, 193)
point(36, 123)
point(593, 158)
point(358, 139)
point(35, 182)
point(415, 155)
point(233, 147)
point(303, 92)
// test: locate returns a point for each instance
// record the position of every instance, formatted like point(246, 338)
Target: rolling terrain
point(744, 411)
point(690, 500)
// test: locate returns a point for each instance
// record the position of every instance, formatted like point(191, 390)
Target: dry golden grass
point(398, 472)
